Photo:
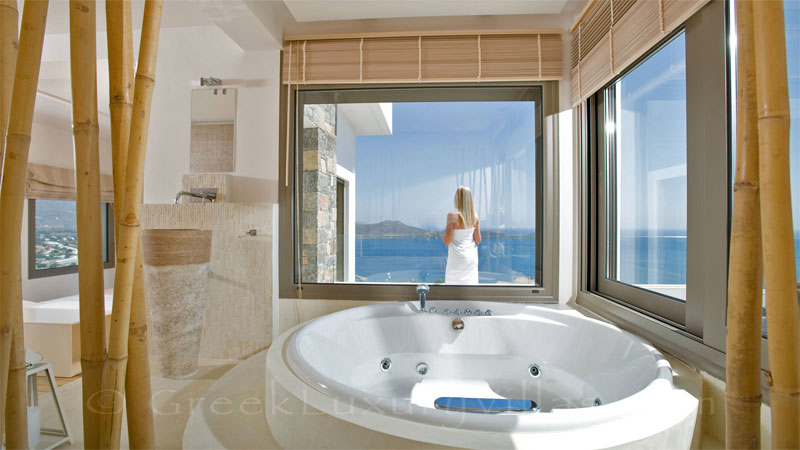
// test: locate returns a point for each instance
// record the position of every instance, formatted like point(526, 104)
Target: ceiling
point(261, 25)
point(324, 10)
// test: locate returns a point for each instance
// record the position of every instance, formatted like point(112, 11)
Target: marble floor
point(173, 402)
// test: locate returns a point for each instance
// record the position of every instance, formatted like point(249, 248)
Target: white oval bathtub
point(597, 386)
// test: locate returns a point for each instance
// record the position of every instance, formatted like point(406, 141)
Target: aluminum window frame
point(34, 273)
point(547, 292)
point(705, 349)
point(698, 336)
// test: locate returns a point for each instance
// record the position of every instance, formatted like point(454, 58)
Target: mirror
point(212, 146)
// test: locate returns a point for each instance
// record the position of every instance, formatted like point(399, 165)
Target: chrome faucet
point(422, 290)
point(210, 196)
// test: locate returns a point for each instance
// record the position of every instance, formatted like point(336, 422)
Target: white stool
point(53, 437)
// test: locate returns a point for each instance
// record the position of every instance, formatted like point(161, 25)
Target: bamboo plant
point(776, 219)
point(137, 380)
point(23, 98)
point(83, 59)
point(120, 66)
point(745, 277)
point(9, 16)
point(116, 363)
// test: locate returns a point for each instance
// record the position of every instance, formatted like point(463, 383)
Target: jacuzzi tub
point(353, 379)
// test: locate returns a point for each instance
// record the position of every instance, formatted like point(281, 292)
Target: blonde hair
point(465, 206)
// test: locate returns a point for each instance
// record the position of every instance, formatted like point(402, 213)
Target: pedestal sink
point(176, 284)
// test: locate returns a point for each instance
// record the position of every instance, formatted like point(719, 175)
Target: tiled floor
point(43, 387)
point(173, 401)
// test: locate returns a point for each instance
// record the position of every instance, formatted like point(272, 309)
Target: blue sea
point(424, 260)
point(644, 259)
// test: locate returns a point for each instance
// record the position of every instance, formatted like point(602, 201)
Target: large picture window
point(377, 172)
point(53, 237)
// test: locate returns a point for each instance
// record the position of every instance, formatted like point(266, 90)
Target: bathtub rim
point(662, 408)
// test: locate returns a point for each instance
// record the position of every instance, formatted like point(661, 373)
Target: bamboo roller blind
point(420, 59)
point(613, 34)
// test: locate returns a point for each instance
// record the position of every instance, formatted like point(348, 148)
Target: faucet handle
point(468, 312)
point(432, 310)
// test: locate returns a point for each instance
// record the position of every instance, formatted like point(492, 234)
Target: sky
point(412, 175)
point(650, 128)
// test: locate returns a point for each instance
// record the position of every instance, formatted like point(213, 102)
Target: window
point(392, 158)
point(645, 163)
point(658, 185)
point(53, 237)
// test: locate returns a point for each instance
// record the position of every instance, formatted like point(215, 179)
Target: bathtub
point(370, 377)
point(53, 328)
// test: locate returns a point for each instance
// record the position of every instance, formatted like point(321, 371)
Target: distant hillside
point(56, 215)
point(397, 229)
point(392, 228)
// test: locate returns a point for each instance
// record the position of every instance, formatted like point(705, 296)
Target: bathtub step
point(485, 405)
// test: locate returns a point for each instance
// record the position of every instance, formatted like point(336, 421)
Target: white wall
point(567, 220)
point(180, 65)
point(345, 142)
point(52, 145)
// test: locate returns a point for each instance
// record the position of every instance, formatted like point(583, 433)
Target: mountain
point(397, 229)
point(56, 215)
point(392, 228)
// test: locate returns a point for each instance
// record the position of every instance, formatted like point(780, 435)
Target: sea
point(398, 259)
point(644, 259)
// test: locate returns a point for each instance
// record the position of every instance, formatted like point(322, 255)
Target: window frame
point(698, 332)
point(547, 292)
point(663, 306)
point(34, 273)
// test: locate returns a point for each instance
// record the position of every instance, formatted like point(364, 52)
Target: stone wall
point(319, 194)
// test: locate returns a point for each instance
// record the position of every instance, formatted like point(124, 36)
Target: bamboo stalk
point(129, 227)
point(85, 130)
point(745, 277)
point(120, 67)
point(120, 81)
point(138, 393)
point(23, 98)
point(776, 219)
point(9, 16)
point(16, 420)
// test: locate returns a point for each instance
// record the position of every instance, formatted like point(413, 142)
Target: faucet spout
point(422, 290)
point(210, 196)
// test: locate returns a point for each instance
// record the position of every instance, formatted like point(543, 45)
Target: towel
point(462, 258)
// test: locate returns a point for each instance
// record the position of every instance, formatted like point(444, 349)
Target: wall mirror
point(213, 132)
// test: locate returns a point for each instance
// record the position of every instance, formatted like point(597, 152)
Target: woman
point(462, 236)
